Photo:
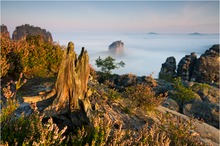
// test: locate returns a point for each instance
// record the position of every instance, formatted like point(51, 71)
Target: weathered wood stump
point(69, 93)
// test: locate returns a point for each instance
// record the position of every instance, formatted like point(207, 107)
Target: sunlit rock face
point(186, 66)
point(117, 48)
point(22, 31)
point(206, 69)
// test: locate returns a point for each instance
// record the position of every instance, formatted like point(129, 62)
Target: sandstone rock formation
point(22, 31)
point(117, 48)
point(186, 66)
point(203, 70)
point(4, 31)
point(206, 69)
point(168, 69)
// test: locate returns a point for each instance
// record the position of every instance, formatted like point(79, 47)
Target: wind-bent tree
point(108, 64)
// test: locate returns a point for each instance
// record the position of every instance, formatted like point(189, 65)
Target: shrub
point(113, 94)
point(200, 86)
point(181, 93)
point(142, 96)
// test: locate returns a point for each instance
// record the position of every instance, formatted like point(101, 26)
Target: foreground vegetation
point(32, 56)
point(36, 58)
point(34, 129)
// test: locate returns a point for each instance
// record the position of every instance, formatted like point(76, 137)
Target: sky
point(113, 16)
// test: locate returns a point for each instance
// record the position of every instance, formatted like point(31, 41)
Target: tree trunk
point(71, 85)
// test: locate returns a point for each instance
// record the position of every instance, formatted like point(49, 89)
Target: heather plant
point(27, 130)
point(179, 131)
point(103, 133)
point(15, 130)
point(32, 56)
point(96, 135)
point(142, 96)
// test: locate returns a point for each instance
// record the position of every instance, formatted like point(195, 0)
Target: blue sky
point(114, 16)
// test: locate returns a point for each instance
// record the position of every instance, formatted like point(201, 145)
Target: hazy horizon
point(162, 17)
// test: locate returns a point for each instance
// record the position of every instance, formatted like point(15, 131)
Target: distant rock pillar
point(117, 48)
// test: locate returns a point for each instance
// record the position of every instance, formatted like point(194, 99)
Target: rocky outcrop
point(168, 69)
point(117, 48)
point(186, 66)
point(203, 70)
point(206, 69)
point(4, 31)
point(208, 112)
point(22, 31)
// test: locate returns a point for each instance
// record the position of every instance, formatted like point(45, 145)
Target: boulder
point(24, 108)
point(171, 104)
point(186, 65)
point(21, 32)
point(209, 112)
point(206, 69)
point(168, 69)
point(117, 48)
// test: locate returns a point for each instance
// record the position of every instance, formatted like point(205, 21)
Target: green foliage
point(113, 94)
point(181, 93)
point(108, 64)
point(200, 86)
point(142, 96)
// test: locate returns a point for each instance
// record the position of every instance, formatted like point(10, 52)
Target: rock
point(4, 31)
point(206, 69)
point(186, 65)
point(168, 69)
point(117, 48)
point(206, 111)
point(171, 104)
point(21, 32)
point(207, 93)
point(24, 108)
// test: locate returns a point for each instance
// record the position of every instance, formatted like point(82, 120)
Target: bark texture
point(71, 85)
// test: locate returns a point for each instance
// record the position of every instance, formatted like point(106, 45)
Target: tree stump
point(70, 88)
